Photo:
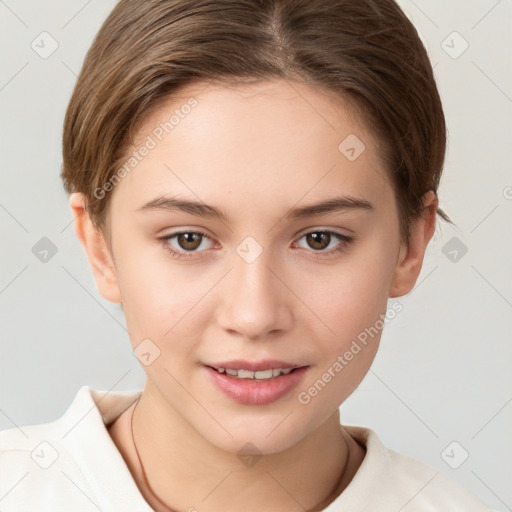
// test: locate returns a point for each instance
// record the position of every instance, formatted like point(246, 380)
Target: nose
point(253, 301)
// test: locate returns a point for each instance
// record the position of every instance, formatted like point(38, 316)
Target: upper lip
point(255, 366)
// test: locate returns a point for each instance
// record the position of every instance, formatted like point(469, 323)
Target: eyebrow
point(332, 205)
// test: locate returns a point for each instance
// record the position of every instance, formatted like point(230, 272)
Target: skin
point(254, 151)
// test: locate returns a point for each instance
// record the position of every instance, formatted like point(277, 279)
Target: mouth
point(252, 383)
point(268, 374)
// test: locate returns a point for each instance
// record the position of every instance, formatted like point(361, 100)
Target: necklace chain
point(168, 509)
point(144, 476)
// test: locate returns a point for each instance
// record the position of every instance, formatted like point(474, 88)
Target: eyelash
point(345, 242)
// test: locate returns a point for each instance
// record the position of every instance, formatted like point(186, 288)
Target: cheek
point(351, 304)
point(166, 299)
point(349, 297)
point(160, 297)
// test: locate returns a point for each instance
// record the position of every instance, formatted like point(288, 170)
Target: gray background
point(443, 372)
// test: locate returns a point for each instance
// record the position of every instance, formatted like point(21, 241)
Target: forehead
point(276, 138)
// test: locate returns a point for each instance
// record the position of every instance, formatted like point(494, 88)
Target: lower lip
point(256, 392)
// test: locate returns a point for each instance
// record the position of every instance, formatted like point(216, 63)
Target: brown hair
point(364, 51)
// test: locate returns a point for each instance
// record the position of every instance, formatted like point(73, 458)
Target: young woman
point(252, 180)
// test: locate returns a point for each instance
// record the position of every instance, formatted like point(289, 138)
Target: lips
point(255, 383)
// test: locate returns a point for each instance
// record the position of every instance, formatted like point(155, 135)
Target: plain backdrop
point(440, 388)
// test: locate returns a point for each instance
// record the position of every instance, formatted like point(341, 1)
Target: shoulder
point(426, 487)
point(35, 461)
point(387, 480)
point(55, 465)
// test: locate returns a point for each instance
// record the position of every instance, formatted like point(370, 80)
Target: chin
point(266, 436)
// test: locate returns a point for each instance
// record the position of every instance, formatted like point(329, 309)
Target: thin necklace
point(330, 497)
point(144, 476)
point(335, 492)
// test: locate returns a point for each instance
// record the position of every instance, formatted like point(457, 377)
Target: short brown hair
point(365, 51)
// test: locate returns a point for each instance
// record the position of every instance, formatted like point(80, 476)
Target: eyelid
point(344, 241)
point(322, 230)
point(180, 253)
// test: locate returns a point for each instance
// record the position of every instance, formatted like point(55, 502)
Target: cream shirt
point(72, 464)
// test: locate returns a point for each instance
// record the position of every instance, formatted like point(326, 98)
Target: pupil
point(186, 240)
point(319, 240)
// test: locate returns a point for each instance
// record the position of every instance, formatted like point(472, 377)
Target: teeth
point(260, 375)
point(264, 374)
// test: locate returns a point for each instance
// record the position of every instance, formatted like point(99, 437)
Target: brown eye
point(318, 240)
point(189, 241)
point(325, 243)
point(187, 244)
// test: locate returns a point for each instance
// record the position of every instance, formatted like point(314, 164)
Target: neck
point(191, 474)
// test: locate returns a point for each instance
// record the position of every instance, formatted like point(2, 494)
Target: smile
point(258, 375)
point(255, 383)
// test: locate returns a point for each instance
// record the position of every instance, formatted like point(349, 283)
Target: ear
point(100, 259)
point(410, 259)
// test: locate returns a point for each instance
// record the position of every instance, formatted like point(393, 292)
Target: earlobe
point(97, 251)
point(410, 259)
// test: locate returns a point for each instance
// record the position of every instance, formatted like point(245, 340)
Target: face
point(252, 276)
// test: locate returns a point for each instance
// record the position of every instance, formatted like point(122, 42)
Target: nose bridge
point(253, 302)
